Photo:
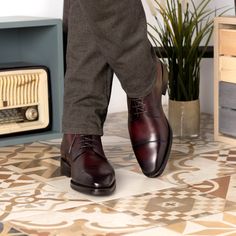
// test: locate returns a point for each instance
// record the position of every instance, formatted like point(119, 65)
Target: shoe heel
point(165, 77)
point(65, 168)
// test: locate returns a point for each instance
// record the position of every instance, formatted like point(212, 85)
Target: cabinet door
point(227, 67)
point(227, 45)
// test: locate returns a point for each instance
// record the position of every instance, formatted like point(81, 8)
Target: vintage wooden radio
point(24, 99)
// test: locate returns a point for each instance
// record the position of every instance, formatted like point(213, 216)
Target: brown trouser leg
point(104, 36)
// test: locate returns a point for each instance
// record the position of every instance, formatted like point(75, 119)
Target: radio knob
point(31, 113)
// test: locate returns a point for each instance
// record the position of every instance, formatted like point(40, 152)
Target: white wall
point(53, 8)
point(47, 8)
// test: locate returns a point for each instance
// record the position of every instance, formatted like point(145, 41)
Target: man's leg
point(87, 91)
point(120, 32)
point(88, 78)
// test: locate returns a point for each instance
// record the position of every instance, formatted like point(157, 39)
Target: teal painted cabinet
point(38, 41)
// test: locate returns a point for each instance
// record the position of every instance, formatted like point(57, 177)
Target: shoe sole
point(93, 191)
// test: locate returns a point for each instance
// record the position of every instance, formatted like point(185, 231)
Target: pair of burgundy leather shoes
point(83, 158)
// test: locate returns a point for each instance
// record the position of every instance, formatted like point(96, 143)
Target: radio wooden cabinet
point(37, 41)
point(225, 79)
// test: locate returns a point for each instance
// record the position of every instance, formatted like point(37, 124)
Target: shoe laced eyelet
point(86, 141)
point(138, 106)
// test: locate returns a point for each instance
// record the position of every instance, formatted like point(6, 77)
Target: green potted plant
point(182, 27)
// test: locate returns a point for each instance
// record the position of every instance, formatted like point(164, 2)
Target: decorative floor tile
point(224, 187)
point(7, 229)
point(37, 160)
point(89, 220)
point(192, 197)
point(27, 151)
point(54, 142)
point(35, 199)
point(120, 156)
point(11, 179)
point(127, 183)
point(224, 156)
point(195, 169)
point(158, 231)
point(189, 169)
point(114, 140)
point(221, 224)
point(198, 145)
point(204, 142)
point(39, 169)
point(171, 205)
point(11, 149)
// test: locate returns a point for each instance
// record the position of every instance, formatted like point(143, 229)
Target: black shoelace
point(137, 106)
point(86, 141)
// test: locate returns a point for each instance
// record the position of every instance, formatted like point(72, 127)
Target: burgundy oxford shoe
point(150, 132)
point(84, 160)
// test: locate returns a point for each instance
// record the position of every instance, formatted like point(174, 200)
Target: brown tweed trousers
point(103, 37)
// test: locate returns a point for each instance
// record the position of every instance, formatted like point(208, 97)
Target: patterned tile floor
point(196, 195)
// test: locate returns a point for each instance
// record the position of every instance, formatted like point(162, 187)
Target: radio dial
point(31, 114)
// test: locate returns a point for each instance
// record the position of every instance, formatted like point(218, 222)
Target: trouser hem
point(147, 90)
point(82, 130)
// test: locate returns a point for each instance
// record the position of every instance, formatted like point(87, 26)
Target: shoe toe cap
point(150, 157)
